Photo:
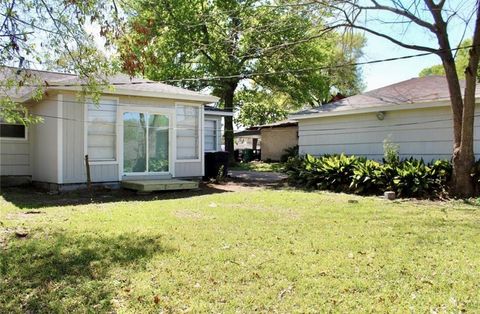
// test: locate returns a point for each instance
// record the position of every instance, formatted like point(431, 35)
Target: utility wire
point(248, 75)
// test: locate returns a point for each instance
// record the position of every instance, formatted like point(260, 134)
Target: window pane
point(101, 139)
point(158, 143)
point(134, 141)
point(210, 135)
point(12, 130)
point(187, 132)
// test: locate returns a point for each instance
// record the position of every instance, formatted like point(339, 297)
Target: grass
point(259, 166)
point(253, 250)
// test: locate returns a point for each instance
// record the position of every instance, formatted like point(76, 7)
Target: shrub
point(329, 172)
point(390, 152)
point(341, 173)
point(412, 178)
point(368, 178)
point(289, 152)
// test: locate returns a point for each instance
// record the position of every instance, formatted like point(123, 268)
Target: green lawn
point(259, 166)
point(252, 250)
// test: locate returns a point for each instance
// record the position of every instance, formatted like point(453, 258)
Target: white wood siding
point(74, 145)
point(73, 140)
point(421, 133)
point(104, 173)
point(15, 158)
point(44, 137)
point(15, 155)
point(188, 169)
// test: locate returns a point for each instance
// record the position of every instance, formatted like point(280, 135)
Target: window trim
point(13, 139)
point(85, 132)
point(216, 135)
point(200, 132)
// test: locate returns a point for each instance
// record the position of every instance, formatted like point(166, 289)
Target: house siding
point(44, 137)
point(74, 170)
point(73, 140)
point(15, 158)
point(15, 155)
point(420, 133)
point(188, 169)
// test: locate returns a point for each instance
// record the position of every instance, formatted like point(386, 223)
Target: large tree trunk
point(463, 109)
point(228, 102)
point(463, 163)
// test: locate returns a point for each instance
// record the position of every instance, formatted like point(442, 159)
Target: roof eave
point(205, 99)
point(219, 113)
point(381, 107)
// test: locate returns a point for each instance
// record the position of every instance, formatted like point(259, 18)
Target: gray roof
point(123, 84)
point(412, 91)
point(279, 124)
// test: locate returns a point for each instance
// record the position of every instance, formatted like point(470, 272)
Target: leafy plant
point(368, 178)
point(341, 173)
point(289, 152)
point(390, 152)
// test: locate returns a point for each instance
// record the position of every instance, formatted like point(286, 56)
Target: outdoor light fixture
point(380, 115)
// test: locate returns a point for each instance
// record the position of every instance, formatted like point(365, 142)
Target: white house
point(414, 114)
point(139, 130)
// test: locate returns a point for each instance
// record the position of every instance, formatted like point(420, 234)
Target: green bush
point(341, 173)
point(289, 152)
point(368, 178)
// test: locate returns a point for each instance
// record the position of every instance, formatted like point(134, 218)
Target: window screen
point(102, 119)
point(187, 132)
point(210, 135)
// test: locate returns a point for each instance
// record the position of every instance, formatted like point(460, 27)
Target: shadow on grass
point(59, 273)
point(28, 197)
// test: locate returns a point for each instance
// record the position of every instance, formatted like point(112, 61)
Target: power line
point(249, 75)
point(367, 128)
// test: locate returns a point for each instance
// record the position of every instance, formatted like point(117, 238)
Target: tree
point(434, 17)
point(40, 33)
point(222, 45)
point(257, 107)
point(461, 62)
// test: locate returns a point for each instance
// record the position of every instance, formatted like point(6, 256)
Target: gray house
point(414, 114)
point(139, 130)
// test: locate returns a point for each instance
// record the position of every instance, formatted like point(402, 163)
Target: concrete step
point(159, 185)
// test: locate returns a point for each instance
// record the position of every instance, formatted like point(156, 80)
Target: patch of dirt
point(188, 214)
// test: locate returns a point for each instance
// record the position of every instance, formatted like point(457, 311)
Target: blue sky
point(386, 73)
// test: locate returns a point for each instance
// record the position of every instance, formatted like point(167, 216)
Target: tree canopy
point(50, 34)
point(461, 61)
point(227, 45)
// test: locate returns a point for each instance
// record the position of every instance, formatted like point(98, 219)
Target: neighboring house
point(275, 138)
point(414, 114)
point(139, 130)
point(248, 139)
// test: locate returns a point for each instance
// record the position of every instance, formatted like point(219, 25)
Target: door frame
point(170, 113)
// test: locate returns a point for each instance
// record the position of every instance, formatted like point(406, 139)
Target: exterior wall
point(15, 156)
point(189, 169)
point(55, 149)
point(74, 135)
point(276, 140)
point(421, 133)
point(219, 128)
point(74, 170)
point(45, 138)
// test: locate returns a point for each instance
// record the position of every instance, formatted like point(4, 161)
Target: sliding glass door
point(145, 143)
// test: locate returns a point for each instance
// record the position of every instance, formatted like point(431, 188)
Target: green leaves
point(262, 43)
point(260, 107)
point(341, 173)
